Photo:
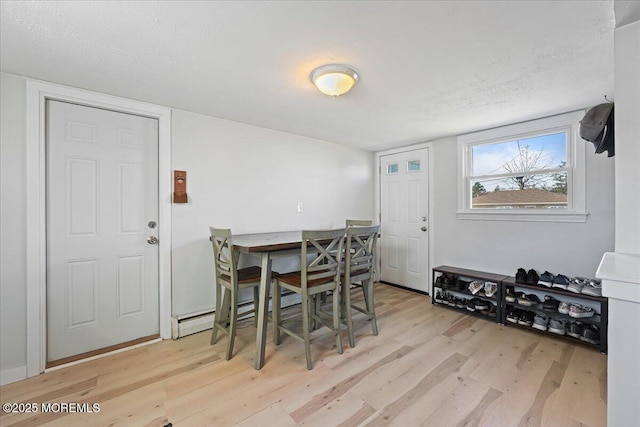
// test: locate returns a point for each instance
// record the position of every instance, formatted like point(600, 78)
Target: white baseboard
point(13, 375)
point(182, 326)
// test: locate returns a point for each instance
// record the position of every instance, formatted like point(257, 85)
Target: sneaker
point(461, 303)
point(481, 305)
point(490, 289)
point(546, 279)
point(532, 277)
point(579, 311)
point(471, 305)
point(475, 286)
point(439, 296)
point(540, 322)
point(593, 287)
point(461, 285)
point(591, 334)
point(449, 281)
point(550, 304)
point(513, 315)
point(528, 300)
point(521, 276)
point(563, 308)
point(575, 329)
point(557, 326)
point(440, 281)
point(526, 318)
point(576, 285)
point(561, 282)
point(510, 296)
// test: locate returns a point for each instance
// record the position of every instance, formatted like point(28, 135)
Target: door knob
point(152, 240)
point(423, 228)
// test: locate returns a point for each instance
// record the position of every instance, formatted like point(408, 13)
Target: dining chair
point(358, 222)
point(321, 254)
point(229, 281)
point(359, 273)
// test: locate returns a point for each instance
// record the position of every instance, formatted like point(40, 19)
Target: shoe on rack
point(449, 281)
point(540, 322)
point(521, 276)
point(481, 305)
point(471, 305)
point(461, 285)
point(575, 329)
point(557, 326)
point(532, 277)
point(546, 279)
point(475, 286)
point(490, 289)
point(576, 284)
point(563, 307)
point(593, 287)
point(510, 296)
point(491, 311)
point(528, 300)
point(526, 318)
point(579, 311)
point(440, 282)
point(550, 304)
point(591, 334)
point(513, 315)
point(439, 296)
point(461, 303)
point(451, 302)
point(560, 282)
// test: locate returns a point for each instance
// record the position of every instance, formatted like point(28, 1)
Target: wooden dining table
point(266, 246)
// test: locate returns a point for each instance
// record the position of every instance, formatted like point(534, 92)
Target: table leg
point(263, 310)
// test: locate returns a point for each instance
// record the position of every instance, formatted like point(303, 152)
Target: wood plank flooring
point(428, 366)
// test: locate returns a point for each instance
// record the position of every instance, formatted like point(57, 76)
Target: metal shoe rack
point(504, 282)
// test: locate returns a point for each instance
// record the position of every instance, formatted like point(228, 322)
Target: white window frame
point(576, 174)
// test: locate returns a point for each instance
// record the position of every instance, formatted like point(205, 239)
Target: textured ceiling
point(427, 69)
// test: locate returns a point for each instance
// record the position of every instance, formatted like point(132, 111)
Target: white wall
point(250, 179)
point(13, 293)
point(573, 249)
point(261, 175)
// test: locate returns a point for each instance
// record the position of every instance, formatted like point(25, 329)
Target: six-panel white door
point(102, 203)
point(404, 222)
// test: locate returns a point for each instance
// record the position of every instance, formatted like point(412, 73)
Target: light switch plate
point(300, 207)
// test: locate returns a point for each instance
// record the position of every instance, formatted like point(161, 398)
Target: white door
point(404, 222)
point(102, 206)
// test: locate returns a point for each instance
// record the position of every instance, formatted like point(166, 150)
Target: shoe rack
point(463, 293)
point(508, 284)
point(600, 304)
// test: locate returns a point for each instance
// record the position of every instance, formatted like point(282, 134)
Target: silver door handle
point(152, 240)
point(423, 228)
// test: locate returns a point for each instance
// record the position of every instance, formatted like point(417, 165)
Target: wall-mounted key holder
point(179, 186)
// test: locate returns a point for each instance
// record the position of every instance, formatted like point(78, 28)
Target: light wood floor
point(429, 366)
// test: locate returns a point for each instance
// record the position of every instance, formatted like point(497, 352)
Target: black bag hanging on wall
point(597, 127)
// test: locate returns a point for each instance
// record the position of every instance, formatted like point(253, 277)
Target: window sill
point(524, 216)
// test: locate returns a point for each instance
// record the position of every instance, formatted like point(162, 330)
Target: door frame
point(37, 93)
point(377, 200)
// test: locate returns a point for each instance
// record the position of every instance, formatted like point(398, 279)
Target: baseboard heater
point(189, 324)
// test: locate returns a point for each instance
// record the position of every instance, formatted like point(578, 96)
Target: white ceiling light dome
point(334, 79)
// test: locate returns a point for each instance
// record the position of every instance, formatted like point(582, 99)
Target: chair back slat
point(224, 255)
point(358, 222)
point(321, 254)
point(360, 256)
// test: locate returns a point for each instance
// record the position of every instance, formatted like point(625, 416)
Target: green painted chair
point(359, 273)
point(320, 260)
point(229, 281)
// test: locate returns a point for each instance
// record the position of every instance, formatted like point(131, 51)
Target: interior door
point(404, 222)
point(102, 213)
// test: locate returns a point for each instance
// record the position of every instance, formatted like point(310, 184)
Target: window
point(392, 168)
point(413, 166)
point(531, 171)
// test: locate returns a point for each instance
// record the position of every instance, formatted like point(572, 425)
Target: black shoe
point(509, 296)
point(550, 304)
point(513, 315)
point(591, 334)
point(575, 329)
point(521, 276)
point(532, 277)
point(526, 318)
point(471, 305)
point(481, 305)
point(462, 285)
point(528, 300)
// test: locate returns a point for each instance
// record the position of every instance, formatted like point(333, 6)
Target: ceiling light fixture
point(334, 79)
